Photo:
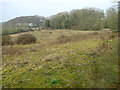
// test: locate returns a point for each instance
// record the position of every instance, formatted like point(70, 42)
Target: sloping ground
point(80, 64)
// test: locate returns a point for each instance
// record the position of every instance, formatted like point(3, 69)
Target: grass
point(75, 64)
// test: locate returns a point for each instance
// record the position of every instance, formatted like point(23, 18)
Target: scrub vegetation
point(75, 49)
point(62, 59)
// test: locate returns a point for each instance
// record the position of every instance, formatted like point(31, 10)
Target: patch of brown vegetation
point(76, 37)
point(26, 39)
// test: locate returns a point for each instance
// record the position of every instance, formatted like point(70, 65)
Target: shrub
point(6, 40)
point(63, 39)
point(26, 39)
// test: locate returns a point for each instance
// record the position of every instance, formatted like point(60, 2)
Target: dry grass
point(67, 37)
point(74, 63)
point(106, 36)
point(12, 50)
point(76, 37)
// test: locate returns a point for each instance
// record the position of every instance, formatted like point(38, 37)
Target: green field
point(84, 59)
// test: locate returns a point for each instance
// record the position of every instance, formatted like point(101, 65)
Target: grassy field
point(83, 59)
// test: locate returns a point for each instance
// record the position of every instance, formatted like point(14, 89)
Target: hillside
point(21, 24)
point(36, 20)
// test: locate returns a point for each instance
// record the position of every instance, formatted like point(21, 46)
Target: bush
point(6, 40)
point(63, 39)
point(26, 39)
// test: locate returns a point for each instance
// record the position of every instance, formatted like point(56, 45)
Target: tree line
point(77, 19)
point(84, 19)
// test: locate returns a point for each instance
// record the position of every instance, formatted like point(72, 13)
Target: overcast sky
point(15, 8)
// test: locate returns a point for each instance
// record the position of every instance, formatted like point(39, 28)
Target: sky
point(10, 9)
